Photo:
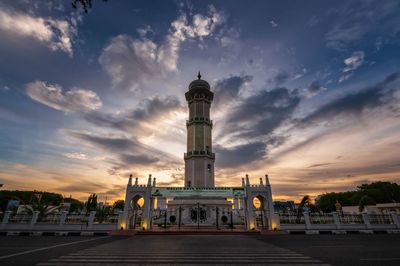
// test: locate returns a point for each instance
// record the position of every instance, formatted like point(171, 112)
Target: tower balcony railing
point(199, 119)
point(199, 153)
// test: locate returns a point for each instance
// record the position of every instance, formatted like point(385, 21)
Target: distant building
point(199, 202)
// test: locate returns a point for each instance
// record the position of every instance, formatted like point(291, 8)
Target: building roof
point(199, 83)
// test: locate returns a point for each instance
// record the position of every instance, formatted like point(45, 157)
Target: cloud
point(342, 35)
point(314, 88)
point(228, 89)
point(76, 155)
point(85, 187)
point(273, 24)
point(354, 61)
point(239, 155)
point(74, 100)
point(262, 113)
point(150, 110)
point(131, 159)
point(56, 34)
point(280, 78)
point(143, 32)
point(355, 103)
point(345, 77)
point(128, 151)
point(357, 19)
point(131, 62)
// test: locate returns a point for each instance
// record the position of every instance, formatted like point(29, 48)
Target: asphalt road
point(199, 249)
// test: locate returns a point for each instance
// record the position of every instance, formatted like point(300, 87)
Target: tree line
point(43, 201)
point(366, 194)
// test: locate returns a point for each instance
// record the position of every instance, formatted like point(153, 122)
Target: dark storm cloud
point(156, 107)
point(228, 89)
point(355, 103)
point(262, 113)
point(150, 109)
point(279, 78)
point(130, 152)
point(314, 88)
point(106, 143)
point(239, 155)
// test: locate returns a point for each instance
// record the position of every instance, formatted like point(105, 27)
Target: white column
point(91, 220)
point(63, 217)
point(337, 220)
point(395, 219)
point(35, 216)
point(307, 221)
point(366, 220)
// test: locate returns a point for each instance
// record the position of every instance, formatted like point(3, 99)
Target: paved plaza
point(202, 249)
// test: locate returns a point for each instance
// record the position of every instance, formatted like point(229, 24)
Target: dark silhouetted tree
point(119, 205)
point(91, 203)
point(365, 201)
point(305, 202)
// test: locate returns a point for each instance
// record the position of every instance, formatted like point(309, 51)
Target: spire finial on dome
point(199, 75)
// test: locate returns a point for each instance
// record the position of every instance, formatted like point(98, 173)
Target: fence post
point(91, 220)
point(395, 219)
point(337, 220)
point(6, 217)
point(63, 218)
point(366, 220)
point(307, 220)
point(34, 219)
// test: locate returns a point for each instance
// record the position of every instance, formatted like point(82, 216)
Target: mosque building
point(199, 203)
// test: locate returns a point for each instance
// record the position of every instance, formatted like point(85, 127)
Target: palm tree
point(305, 201)
point(102, 213)
point(43, 209)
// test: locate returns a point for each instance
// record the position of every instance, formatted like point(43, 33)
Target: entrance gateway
point(199, 203)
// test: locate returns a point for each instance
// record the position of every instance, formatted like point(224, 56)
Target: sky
point(307, 92)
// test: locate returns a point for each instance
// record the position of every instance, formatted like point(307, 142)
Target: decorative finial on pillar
point(199, 75)
point(149, 181)
point(243, 182)
point(261, 182)
point(267, 180)
point(130, 180)
point(154, 182)
point(247, 180)
point(136, 181)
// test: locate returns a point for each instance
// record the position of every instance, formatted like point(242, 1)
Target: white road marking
point(50, 247)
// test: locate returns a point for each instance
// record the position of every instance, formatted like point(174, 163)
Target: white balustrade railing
point(339, 221)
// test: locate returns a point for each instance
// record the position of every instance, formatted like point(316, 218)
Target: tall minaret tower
point(199, 158)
